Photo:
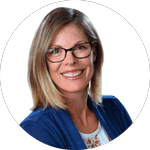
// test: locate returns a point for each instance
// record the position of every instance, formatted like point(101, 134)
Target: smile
point(76, 73)
point(73, 74)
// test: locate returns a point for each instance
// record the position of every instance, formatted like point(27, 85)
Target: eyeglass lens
point(79, 51)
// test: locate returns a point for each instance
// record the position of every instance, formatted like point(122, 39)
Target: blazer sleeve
point(117, 112)
point(125, 114)
point(40, 133)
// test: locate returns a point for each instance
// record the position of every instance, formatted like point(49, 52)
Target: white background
point(125, 70)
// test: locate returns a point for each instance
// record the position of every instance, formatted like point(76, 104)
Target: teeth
point(72, 74)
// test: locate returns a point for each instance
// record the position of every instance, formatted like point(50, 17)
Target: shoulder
point(34, 119)
point(38, 119)
point(36, 115)
point(41, 125)
point(113, 106)
point(115, 110)
point(112, 102)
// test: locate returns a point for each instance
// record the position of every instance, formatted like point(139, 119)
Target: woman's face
point(65, 74)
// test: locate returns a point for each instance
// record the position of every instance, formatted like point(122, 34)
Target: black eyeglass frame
point(71, 49)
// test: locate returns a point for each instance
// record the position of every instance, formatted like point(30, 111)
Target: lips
point(72, 73)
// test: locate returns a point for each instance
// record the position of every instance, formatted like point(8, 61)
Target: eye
point(54, 50)
point(80, 47)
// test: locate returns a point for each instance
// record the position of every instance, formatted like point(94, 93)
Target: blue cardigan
point(57, 129)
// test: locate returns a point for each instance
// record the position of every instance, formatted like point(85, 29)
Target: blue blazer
point(56, 128)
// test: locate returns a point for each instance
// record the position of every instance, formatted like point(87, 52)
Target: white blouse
point(97, 138)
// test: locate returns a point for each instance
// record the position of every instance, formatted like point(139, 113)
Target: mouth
point(73, 74)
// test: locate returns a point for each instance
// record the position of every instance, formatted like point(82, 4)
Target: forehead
point(68, 36)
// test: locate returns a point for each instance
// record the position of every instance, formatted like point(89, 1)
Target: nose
point(70, 59)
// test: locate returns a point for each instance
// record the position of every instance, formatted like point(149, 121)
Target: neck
point(77, 106)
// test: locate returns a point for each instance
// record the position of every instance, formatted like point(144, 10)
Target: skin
point(74, 89)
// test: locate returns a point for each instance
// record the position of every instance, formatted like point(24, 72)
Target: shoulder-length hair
point(44, 91)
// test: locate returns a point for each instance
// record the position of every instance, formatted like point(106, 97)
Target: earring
point(89, 86)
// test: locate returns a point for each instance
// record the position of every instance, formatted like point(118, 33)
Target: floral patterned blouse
point(97, 138)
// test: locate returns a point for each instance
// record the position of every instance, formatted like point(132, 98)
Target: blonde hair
point(44, 91)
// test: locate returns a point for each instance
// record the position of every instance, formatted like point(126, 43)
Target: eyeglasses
point(79, 51)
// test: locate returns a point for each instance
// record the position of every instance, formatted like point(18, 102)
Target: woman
point(64, 74)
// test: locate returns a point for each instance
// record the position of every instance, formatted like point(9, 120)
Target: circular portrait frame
point(123, 75)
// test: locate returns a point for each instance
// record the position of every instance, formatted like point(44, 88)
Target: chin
point(73, 89)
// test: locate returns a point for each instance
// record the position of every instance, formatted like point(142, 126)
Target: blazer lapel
point(103, 118)
point(71, 131)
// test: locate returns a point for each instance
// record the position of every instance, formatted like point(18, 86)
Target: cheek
point(89, 67)
point(53, 69)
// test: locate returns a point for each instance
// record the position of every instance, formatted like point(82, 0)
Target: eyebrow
point(82, 41)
